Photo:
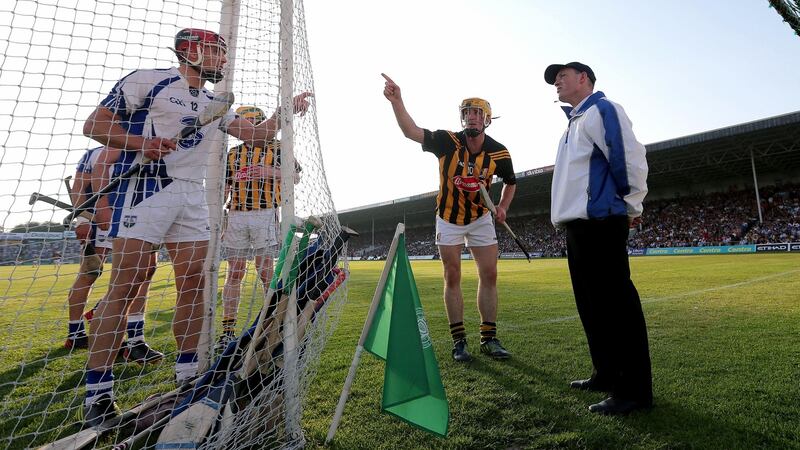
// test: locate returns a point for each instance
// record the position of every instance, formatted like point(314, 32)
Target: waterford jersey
point(461, 172)
point(116, 198)
point(86, 165)
point(160, 103)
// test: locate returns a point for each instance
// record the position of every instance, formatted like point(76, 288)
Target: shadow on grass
point(46, 417)
point(568, 423)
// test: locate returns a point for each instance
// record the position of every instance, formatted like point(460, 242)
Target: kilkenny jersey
point(160, 103)
point(248, 192)
point(460, 172)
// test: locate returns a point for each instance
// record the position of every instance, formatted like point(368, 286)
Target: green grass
point(723, 337)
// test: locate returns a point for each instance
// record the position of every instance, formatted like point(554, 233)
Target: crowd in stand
point(727, 218)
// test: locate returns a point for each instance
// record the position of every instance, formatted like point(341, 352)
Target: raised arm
point(259, 135)
point(410, 129)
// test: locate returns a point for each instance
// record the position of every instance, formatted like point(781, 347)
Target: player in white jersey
point(91, 265)
point(166, 201)
point(97, 240)
point(107, 163)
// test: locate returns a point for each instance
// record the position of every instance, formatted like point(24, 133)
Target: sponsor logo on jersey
point(193, 139)
point(244, 174)
point(469, 184)
point(177, 101)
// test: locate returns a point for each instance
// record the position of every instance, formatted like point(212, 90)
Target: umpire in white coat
point(599, 182)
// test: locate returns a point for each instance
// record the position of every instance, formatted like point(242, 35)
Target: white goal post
point(60, 59)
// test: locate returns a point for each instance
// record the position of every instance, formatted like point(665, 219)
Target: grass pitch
point(723, 337)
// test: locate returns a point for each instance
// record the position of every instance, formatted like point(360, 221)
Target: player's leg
point(482, 241)
point(128, 270)
point(236, 243)
point(186, 241)
point(264, 264)
point(135, 348)
point(187, 260)
point(265, 244)
point(79, 294)
point(231, 292)
point(450, 241)
point(486, 262)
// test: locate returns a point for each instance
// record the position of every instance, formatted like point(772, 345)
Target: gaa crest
point(424, 335)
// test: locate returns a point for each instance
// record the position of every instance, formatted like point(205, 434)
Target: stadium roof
point(711, 156)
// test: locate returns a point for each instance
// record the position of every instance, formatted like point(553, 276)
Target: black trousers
point(609, 306)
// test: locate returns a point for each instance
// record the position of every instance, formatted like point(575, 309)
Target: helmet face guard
point(197, 39)
point(475, 103)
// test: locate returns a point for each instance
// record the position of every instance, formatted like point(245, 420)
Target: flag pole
point(376, 300)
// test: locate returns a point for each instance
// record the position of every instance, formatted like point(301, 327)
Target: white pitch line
point(685, 294)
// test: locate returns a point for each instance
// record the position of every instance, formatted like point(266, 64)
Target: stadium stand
point(701, 194)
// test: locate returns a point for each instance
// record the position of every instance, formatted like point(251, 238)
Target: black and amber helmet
point(476, 103)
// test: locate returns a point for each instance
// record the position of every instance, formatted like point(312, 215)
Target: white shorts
point(177, 213)
point(480, 233)
point(101, 239)
point(247, 230)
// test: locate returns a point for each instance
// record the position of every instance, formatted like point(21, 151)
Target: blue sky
point(677, 67)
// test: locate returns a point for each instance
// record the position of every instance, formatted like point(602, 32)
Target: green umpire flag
point(412, 386)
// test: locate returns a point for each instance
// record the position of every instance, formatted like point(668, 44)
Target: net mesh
point(59, 59)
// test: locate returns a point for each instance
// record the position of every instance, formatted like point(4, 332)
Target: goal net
point(60, 59)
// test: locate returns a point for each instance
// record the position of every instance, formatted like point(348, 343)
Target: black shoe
point(460, 352)
point(616, 406)
point(76, 343)
point(141, 353)
point(100, 411)
point(493, 348)
point(589, 385)
point(223, 341)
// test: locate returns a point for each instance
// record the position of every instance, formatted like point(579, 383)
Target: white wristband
point(80, 220)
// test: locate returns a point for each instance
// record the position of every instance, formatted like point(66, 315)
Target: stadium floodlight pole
point(290, 351)
point(487, 200)
point(755, 186)
point(373, 307)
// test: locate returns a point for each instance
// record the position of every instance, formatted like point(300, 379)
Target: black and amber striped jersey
point(248, 192)
point(460, 172)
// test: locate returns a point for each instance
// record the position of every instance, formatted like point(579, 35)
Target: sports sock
point(229, 326)
point(98, 384)
point(186, 366)
point(135, 328)
point(457, 331)
point(488, 331)
point(76, 329)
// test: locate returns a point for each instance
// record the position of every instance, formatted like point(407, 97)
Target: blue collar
point(588, 103)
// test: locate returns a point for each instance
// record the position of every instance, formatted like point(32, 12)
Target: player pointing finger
point(391, 90)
